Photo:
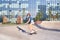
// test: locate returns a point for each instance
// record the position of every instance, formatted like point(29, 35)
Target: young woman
point(30, 21)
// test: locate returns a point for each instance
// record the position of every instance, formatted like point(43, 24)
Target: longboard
point(24, 31)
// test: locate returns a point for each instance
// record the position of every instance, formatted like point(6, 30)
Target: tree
point(23, 12)
point(57, 15)
point(50, 14)
point(39, 16)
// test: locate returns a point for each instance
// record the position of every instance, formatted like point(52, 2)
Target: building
point(54, 6)
point(7, 6)
point(42, 8)
point(22, 7)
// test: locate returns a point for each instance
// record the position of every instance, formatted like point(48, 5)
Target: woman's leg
point(31, 28)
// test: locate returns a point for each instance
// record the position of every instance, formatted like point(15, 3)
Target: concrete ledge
point(51, 24)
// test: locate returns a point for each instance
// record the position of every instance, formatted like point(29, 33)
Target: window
point(16, 12)
point(1, 5)
point(25, 0)
point(37, 3)
point(13, 0)
point(0, 12)
point(24, 5)
point(47, 0)
point(14, 5)
point(2, 0)
point(4, 12)
point(6, 5)
point(5, 0)
point(17, 1)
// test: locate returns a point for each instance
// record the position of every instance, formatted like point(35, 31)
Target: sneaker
point(32, 33)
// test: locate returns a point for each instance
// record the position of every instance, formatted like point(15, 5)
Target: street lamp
point(48, 9)
point(58, 10)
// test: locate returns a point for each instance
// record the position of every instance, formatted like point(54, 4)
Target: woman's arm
point(28, 21)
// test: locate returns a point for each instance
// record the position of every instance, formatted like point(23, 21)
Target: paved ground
point(10, 32)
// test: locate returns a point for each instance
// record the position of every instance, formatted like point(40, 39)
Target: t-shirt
point(31, 19)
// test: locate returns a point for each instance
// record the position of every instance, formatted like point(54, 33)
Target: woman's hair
point(29, 14)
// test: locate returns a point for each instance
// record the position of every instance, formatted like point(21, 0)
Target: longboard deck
point(24, 31)
point(21, 29)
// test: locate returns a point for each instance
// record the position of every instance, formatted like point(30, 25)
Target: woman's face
point(27, 15)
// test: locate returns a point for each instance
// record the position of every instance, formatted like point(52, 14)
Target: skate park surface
point(10, 32)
